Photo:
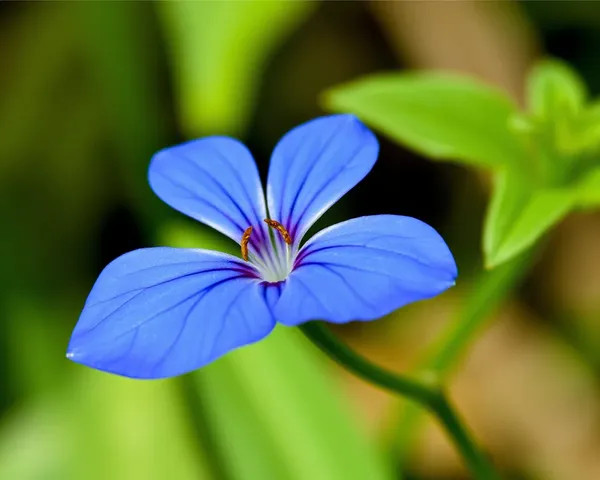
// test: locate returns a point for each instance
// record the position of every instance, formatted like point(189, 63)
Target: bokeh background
point(90, 90)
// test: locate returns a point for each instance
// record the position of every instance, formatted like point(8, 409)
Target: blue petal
point(314, 165)
point(215, 181)
point(160, 312)
point(365, 268)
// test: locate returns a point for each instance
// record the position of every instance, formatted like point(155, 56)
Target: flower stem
point(424, 391)
point(487, 293)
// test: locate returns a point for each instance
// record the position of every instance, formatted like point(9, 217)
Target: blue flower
point(161, 312)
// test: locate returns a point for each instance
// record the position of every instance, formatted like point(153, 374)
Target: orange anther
point(244, 242)
point(281, 229)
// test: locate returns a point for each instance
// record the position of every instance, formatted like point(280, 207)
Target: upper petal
point(213, 180)
point(365, 268)
point(160, 312)
point(314, 165)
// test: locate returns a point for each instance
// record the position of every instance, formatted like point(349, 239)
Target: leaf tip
point(329, 100)
point(496, 258)
point(492, 258)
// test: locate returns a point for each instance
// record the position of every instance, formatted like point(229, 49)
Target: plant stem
point(424, 391)
point(490, 288)
point(488, 291)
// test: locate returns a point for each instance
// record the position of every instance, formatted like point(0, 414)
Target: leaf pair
point(545, 160)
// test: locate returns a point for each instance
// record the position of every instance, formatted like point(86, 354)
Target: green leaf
point(556, 97)
point(284, 399)
point(554, 89)
point(36, 368)
point(122, 63)
point(77, 423)
point(519, 214)
point(589, 129)
point(278, 396)
point(235, 423)
point(219, 50)
point(127, 429)
point(510, 193)
point(587, 190)
point(34, 443)
point(441, 116)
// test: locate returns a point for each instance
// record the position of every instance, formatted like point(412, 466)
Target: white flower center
point(275, 256)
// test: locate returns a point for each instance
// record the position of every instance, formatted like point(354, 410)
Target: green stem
point(427, 393)
point(490, 288)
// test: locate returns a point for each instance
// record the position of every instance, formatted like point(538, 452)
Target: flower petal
point(213, 180)
point(365, 268)
point(314, 165)
point(160, 312)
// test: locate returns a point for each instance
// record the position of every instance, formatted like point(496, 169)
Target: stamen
point(280, 228)
point(244, 242)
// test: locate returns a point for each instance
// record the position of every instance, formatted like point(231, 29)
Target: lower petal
point(161, 312)
point(365, 268)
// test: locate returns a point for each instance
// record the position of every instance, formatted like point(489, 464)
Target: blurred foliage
point(90, 90)
point(435, 115)
point(78, 423)
point(219, 50)
point(545, 160)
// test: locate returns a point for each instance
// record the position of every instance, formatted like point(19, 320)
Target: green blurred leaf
point(32, 335)
point(510, 193)
point(537, 154)
point(101, 426)
point(125, 429)
point(285, 399)
point(592, 113)
point(274, 411)
point(587, 190)
point(34, 443)
point(191, 234)
point(518, 215)
point(554, 90)
point(556, 97)
point(441, 116)
point(219, 50)
point(589, 129)
point(244, 447)
point(77, 423)
point(120, 49)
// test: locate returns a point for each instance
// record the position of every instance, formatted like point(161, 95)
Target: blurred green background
point(90, 90)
